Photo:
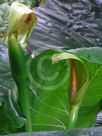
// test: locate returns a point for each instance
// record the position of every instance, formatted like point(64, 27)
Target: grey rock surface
point(77, 132)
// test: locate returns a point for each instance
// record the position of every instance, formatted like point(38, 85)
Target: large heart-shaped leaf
point(50, 104)
point(50, 91)
point(42, 107)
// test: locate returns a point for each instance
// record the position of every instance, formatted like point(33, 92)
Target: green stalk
point(18, 69)
point(24, 97)
point(73, 117)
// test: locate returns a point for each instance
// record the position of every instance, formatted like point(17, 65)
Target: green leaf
point(92, 54)
point(92, 58)
point(92, 88)
point(13, 112)
point(88, 115)
point(49, 82)
point(50, 107)
point(5, 124)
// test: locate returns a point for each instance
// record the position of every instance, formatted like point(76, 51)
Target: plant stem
point(24, 100)
point(18, 69)
point(73, 117)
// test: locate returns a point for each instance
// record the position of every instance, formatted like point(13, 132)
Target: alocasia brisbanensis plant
point(56, 90)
